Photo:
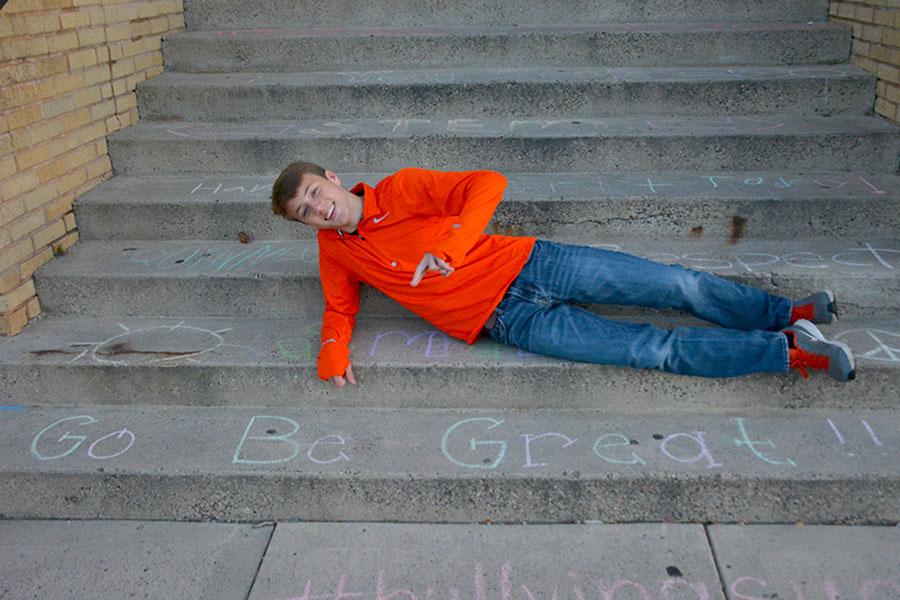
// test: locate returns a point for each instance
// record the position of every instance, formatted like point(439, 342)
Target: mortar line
point(261, 559)
point(712, 553)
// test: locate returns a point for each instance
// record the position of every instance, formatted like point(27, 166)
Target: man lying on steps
point(418, 236)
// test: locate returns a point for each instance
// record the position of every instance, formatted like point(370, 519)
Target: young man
point(418, 236)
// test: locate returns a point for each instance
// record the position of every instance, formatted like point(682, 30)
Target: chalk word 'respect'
point(263, 444)
point(104, 447)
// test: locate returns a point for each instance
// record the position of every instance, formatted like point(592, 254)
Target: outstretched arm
point(341, 292)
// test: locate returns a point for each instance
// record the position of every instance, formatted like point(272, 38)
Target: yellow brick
point(58, 207)
point(63, 42)
point(143, 62)
point(864, 13)
point(40, 132)
point(154, 72)
point(82, 58)
point(58, 106)
point(134, 80)
point(22, 48)
point(176, 22)
point(24, 117)
point(87, 135)
point(29, 157)
point(39, 197)
point(871, 33)
point(18, 72)
point(7, 166)
point(11, 209)
point(66, 183)
point(9, 280)
point(67, 241)
point(14, 322)
point(122, 68)
point(845, 11)
point(885, 108)
point(15, 253)
point(69, 220)
point(33, 307)
point(54, 169)
point(41, 23)
point(11, 25)
point(17, 297)
point(49, 234)
point(88, 96)
point(160, 25)
point(6, 146)
point(98, 74)
point(99, 167)
point(47, 66)
point(102, 110)
point(18, 185)
point(113, 124)
point(76, 119)
point(884, 17)
point(117, 33)
point(861, 47)
point(91, 37)
point(22, 94)
point(880, 88)
point(148, 10)
point(140, 29)
point(26, 225)
point(106, 90)
point(117, 14)
point(132, 49)
point(889, 73)
point(892, 93)
point(75, 20)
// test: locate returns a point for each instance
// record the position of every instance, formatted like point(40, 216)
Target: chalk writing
point(255, 190)
point(148, 343)
point(269, 442)
point(872, 344)
point(115, 443)
point(582, 586)
point(483, 443)
point(753, 588)
point(221, 258)
point(437, 346)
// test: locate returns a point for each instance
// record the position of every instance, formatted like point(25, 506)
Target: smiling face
point(321, 202)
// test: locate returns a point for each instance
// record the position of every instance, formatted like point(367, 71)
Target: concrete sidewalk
point(379, 561)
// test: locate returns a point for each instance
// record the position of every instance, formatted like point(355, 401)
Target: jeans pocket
point(499, 331)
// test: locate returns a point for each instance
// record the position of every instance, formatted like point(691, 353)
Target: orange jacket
point(406, 215)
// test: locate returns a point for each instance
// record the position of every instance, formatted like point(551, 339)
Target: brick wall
point(876, 46)
point(68, 69)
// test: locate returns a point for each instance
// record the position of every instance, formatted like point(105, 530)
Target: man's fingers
point(420, 271)
point(349, 375)
point(338, 381)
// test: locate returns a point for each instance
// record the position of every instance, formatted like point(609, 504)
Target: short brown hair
point(288, 182)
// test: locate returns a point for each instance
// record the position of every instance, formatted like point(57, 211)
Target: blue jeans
point(535, 315)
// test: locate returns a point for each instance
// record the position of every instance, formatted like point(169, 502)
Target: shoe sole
point(811, 330)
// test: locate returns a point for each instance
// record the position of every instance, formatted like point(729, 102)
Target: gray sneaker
point(812, 350)
point(819, 307)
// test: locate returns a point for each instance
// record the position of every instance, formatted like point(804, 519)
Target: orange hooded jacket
point(406, 215)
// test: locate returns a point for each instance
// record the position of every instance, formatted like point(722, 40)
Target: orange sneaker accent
point(807, 311)
point(800, 359)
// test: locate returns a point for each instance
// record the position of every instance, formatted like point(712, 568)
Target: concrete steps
point(232, 14)
point(844, 143)
point(553, 93)
point(423, 47)
point(399, 363)
point(445, 466)
point(295, 560)
point(645, 205)
point(219, 278)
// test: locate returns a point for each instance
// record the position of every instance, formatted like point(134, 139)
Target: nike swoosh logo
point(381, 218)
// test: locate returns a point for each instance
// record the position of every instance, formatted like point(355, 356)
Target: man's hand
point(341, 381)
point(430, 262)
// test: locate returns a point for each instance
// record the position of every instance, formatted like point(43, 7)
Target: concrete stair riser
point(727, 206)
point(399, 363)
point(449, 466)
point(233, 14)
point(712, 144)
point(556, 93)
point(261, 278)
point(612, 45)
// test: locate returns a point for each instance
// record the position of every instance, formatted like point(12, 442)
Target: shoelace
point(800, 359)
